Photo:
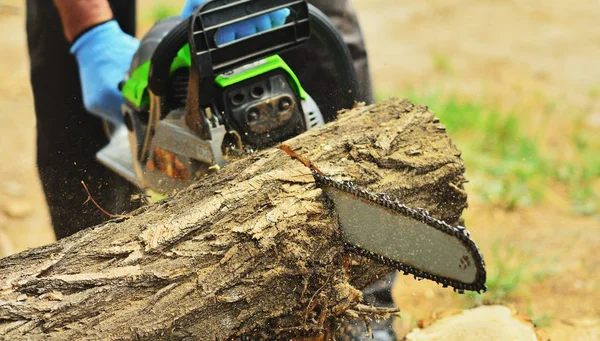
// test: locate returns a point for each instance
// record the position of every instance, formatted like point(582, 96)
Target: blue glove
point(104, 55)
point(242, 29)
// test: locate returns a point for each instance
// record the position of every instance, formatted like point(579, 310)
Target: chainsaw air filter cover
point(264, 109)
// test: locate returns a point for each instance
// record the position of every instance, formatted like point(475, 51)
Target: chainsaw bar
point(472, 273)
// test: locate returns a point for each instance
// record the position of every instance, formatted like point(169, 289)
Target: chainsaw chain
point(418, 214)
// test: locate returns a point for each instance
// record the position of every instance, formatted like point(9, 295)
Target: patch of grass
point(508, 165)
point(441, 62)
point(503, 279)
point(495, 148)
point(583, 175)
point(540, 320)
point(594, 92)
point(509, 273)
point(162, 10)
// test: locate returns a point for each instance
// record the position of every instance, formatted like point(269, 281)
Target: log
point(248, 252)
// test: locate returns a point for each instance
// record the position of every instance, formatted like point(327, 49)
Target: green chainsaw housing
point(255, 105)
point(191, 105)
point(135, 89)
point(266, 82)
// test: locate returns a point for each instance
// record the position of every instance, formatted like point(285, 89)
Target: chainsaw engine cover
point(264, 109)
point(191, 106)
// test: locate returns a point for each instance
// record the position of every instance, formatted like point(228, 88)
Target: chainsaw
point(191, 106)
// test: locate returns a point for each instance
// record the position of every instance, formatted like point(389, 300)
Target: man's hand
point(103, 52)
point(104, 55)
point(244, 28)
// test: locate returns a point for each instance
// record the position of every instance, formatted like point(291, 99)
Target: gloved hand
point(104, 55)
point(244, 28)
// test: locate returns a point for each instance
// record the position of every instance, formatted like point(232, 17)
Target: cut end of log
point(490, 323)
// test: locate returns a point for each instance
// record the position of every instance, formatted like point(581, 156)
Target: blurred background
point(517, 84)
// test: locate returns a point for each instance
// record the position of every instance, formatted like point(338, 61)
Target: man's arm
point(79, 15)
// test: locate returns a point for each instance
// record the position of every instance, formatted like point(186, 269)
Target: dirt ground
point(513, 51)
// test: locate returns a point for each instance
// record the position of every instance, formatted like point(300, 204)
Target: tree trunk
point(249, 251)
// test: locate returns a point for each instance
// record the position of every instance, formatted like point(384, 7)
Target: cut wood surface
point(251, 250)
point(490, 323)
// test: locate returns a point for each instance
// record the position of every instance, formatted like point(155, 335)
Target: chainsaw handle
point(165, 52)
point(210, 59)
point(324, 30)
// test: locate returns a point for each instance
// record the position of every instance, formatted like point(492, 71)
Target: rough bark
point(251, 250)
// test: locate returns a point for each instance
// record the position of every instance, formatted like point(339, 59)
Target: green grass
point(542, 320)
point(161, 10)
point(441, 63)
point(594, 92)
point(506, 163)
point(509, 271)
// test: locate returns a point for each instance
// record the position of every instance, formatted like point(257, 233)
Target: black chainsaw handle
point(163, 56)
point(324, 30)
point(209, 59)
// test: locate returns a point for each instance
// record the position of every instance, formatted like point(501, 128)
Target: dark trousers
point(68, 137)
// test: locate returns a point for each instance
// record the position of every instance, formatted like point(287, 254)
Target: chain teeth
point(422, 215)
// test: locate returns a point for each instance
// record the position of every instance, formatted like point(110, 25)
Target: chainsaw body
point(191, 106)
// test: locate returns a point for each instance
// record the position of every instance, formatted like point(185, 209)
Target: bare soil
point(513, 51)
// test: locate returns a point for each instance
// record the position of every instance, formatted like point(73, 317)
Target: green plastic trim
point(135, 88)
point(262, 66)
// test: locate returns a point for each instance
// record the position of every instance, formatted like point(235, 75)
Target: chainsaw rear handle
point(210, 59)
point(200, 31)
point(324, 30)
